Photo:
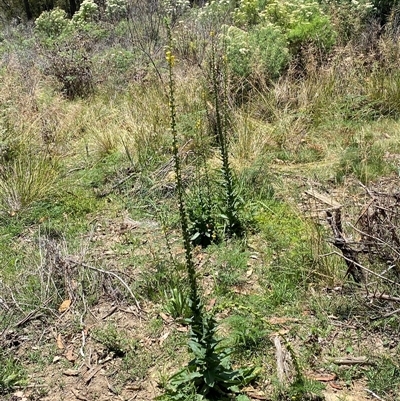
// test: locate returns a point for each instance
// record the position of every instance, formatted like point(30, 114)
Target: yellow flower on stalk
point(170, 58)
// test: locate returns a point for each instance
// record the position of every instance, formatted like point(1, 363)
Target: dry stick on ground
point(374, 395)
point(34, 314)
point(109, 273)
point(361, 267)
point(349, 254)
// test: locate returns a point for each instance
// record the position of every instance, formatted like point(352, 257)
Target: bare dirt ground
point(66, 360)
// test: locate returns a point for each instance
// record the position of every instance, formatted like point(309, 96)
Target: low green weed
point(11, 373)
point(383, 379)
point(114, 340)
point(231, 267)
point(176, 304)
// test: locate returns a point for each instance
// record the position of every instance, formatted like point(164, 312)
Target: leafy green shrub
point(209, 374)
point(303, 21)
point(262, 50)
point(116, 9)
point(86, 14)
point(249, 12)
point(51, 24)
point(70, 64)
point(121, 59)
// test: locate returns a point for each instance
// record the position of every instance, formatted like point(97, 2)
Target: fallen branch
point(351, 361)
point(368, 270)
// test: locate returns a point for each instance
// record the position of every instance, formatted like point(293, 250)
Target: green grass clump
point(365, 159)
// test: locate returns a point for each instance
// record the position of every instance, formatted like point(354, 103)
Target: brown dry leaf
point(211, 304)
point(257, 396)
point(163, 338)
point(60, 344)
point(164, 317)
point(240, 291)
point(64, 306)
point(69, 354)
point(182, 329)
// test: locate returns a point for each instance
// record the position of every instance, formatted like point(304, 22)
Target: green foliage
point(113, 340)
point(216, 12)
point(203, 228)
point(70, 64)
point(116, 9)
point(249, 12)
point(176, 304)
point(232, 202)
point(383, 9)
point(349, 17)
point(261, 52)
point(86, 14)
point(384, 378)
point(153, 283)
point(209, 374)
point(303, 22)
point(51, 24)
point(11, 373)
point(384, 92)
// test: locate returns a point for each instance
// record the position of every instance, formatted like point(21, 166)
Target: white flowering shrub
point(175, 8)
point(249, 12)
point(262, 51)
point(215, 11)
point(86, 14)
point(303, 21)
point(51, 24)
point(116, 9)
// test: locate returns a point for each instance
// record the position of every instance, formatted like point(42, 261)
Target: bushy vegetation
point(189, 164)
